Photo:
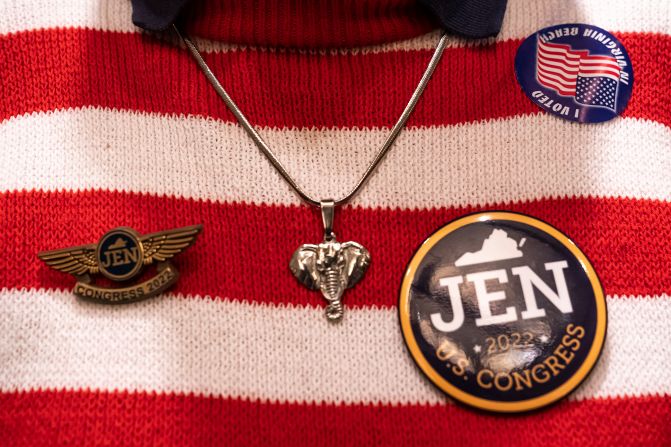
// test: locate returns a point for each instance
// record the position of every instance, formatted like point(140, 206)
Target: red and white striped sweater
point(102, 125)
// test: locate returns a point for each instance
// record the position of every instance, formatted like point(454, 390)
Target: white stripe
point(522, 18)
point(226, 348)
point(27, 15)
point(428, 167)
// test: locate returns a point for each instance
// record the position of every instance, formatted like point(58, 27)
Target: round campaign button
point(502, 312)
point(575, 71)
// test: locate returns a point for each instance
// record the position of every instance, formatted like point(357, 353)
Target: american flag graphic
point(592, 80)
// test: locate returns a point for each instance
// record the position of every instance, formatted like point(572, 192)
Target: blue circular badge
point(576, 71)
point(502, 312)
point(120, 254)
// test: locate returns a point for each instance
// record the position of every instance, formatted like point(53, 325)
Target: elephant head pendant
point(330, 267)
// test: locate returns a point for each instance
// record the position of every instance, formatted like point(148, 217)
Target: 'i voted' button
point(576, 71)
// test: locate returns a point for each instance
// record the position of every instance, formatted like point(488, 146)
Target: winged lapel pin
point(121, 255)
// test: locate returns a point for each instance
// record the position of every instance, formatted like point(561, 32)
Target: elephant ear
point(357, 260)
point(304, 266)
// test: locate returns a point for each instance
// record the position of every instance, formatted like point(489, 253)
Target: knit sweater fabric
point(104, 125)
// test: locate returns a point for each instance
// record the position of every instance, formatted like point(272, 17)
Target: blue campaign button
point(502, 312)
point(576, 71)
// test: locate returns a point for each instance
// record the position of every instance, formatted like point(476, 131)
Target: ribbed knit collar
point(321, 23)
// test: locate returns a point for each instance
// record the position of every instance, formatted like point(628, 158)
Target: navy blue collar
point(469, 18)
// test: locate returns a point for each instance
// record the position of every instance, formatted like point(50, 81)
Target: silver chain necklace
point(331, 266)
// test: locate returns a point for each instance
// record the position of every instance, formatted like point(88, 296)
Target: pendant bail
point(328, 212)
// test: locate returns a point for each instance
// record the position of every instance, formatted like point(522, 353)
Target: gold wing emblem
point(74, 260)
point(166, 244)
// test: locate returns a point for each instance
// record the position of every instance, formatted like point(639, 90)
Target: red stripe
point(56, 69)
point(625, 239)
point(322, 23)
point(119, 418)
